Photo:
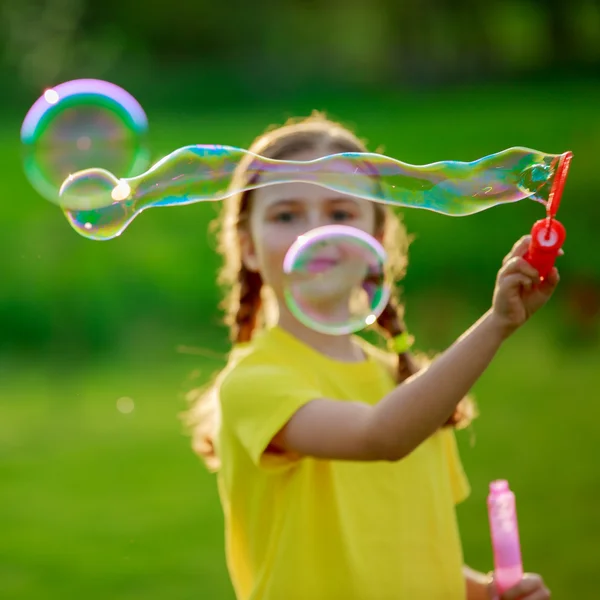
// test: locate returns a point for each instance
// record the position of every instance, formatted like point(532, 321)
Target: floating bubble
point(334, 279)
point(81, 124)
point(205, 173)
point(125, 405)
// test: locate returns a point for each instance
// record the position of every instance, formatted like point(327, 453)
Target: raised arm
point(415, 409)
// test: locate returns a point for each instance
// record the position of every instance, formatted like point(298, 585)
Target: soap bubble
point(82, 124)
point(204, 173)
point(334, 279)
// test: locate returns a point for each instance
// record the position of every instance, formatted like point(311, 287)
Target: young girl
point(337, 464)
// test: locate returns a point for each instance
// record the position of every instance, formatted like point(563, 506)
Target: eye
point(286, 216)
point(341, 215)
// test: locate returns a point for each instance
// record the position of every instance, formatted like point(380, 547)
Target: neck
point(338, 347)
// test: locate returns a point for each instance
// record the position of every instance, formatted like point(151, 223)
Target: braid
point(391, 323)
point(250, 302)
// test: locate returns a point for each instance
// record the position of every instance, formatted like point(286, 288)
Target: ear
point(248, 251)
point(378, 235)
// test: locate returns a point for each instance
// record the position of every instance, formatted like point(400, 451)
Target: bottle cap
point(500, 485)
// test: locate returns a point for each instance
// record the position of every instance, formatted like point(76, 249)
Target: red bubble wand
point(548, 235)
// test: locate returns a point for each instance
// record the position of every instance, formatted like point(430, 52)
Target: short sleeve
point(458, 479)
point(256, 403)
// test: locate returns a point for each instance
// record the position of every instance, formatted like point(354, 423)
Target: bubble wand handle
point(504, 529)
point(548, 235)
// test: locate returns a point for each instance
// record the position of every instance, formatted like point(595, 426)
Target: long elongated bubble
point(100, 206)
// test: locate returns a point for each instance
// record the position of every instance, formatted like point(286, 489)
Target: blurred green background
point(101, 496)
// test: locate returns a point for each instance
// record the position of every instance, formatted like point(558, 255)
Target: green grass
point(538, 429)
point(100, 504)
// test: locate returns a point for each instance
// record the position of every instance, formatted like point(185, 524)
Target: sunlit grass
point(97, 503)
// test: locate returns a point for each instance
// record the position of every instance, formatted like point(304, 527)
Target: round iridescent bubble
point(334, 279)
point(82, 124)
point(205, 173)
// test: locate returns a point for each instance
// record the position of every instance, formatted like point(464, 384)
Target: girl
point(337, 465)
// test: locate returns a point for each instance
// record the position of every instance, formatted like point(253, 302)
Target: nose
point(317, 218)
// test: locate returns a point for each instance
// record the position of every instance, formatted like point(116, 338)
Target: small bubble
point(125, 405)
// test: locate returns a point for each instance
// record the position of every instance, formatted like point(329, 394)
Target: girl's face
point(280, 213)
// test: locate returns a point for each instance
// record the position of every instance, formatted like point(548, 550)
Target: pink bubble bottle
point(508, 566)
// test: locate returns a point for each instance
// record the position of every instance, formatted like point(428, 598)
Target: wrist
point(499, 328)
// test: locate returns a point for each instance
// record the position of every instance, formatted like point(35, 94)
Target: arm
point(422, 404)
point(403, 419)
point(414, 410)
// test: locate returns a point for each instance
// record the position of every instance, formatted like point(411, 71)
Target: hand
point(518, 292)
point(531, 587)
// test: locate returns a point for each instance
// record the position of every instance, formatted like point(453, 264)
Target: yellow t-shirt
point(313, 529)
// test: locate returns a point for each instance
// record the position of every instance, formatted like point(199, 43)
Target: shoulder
point(260, 368)
point(262, 354)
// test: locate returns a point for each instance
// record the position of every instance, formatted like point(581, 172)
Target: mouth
point(319, 265)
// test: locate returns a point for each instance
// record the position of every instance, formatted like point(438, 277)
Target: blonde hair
point(245, 304)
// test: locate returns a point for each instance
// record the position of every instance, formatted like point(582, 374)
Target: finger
point(551, 281)
point(516, 250)
point(541, 594)
point(516, 280)
point(553, 277)
point(519, 248)
point(528, 585)
point(518, 264)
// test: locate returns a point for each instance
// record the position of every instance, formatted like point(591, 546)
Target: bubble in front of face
point(334, 279)
point(82, 124)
